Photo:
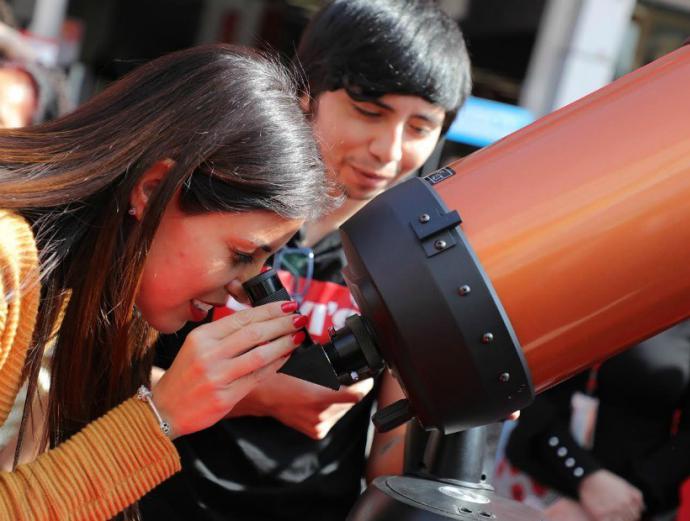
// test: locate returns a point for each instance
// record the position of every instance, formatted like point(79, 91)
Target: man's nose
point(387, 145)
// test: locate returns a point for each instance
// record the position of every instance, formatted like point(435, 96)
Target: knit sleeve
point(95, 474)
point(102, 469)
point(19, 295)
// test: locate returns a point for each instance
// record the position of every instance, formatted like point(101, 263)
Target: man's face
point(368, 145)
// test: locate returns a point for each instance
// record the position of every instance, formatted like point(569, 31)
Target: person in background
point(130, 216)
point(385, 80)
point(18, 96)
point(30, 92)
point(612, 443)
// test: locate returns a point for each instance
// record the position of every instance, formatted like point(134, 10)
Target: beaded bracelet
point(145, 395)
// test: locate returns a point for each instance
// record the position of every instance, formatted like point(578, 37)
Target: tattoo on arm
point(390, 444)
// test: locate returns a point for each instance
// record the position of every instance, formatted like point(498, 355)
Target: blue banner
point(480, 122)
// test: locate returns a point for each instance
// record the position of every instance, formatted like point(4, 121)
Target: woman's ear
point(146, 185)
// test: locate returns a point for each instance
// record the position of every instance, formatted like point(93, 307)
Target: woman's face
point(196, 260)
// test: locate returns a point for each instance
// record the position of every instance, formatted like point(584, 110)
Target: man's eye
point(366, 112)
point(422, 131)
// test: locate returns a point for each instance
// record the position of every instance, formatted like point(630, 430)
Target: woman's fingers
point(231, 324)
point(259, 333)
point(264, 355)
point(242, 386)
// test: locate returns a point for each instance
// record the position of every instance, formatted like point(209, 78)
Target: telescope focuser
point(349, 356)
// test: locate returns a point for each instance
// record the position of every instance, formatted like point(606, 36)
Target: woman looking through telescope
point(135, 214)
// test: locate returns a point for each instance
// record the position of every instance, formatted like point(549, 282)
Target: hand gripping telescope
point(512, 269)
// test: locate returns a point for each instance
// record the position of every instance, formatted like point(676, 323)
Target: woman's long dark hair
point(230, 120)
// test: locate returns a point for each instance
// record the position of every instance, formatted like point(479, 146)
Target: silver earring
point(132, 211)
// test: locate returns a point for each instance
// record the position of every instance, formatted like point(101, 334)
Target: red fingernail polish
point(299, 321)
point(298, 337)
point(289, 307)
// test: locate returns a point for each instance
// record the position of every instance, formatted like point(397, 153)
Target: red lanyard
point(591, 386)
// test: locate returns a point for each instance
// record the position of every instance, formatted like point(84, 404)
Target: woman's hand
point(306, 407)
point(219, 363)
point(608, 497)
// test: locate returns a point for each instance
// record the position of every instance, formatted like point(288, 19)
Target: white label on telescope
point(440, 175)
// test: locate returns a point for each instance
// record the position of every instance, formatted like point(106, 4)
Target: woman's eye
point(242, 258)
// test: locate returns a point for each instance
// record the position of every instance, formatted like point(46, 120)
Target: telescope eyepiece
point(348, 357)
point(264, 288)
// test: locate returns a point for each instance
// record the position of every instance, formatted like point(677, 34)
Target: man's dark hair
point(377, 47)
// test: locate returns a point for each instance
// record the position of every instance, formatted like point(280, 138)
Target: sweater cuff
point(566, 459)
point(102, 469)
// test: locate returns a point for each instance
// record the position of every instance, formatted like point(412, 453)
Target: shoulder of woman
point(18, 254)
point(19, 296)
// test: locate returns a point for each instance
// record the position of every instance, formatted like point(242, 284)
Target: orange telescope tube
point(582, 220)
point(524, 263)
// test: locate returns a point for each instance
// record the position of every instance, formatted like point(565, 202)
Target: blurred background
point(529, 56)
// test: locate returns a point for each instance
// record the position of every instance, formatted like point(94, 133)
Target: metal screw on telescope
point(424, 218)
point(440, 244)
point(464, 290)
point(487, 338)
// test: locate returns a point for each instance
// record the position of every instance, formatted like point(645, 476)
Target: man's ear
point(305, 102)
point(146, 185)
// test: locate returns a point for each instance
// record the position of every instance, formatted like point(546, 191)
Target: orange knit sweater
point(102, 469)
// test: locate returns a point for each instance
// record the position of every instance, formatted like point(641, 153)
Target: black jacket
point(643, 425)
